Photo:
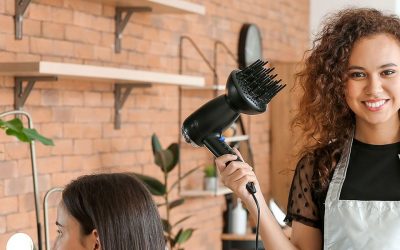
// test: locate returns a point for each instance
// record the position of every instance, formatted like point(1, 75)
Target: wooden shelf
point(201, 193)
point(237, 138)
point(213, 87)
point(68, 70)
point(228, 236)
point(160, 6)
point(123, 12)
point(125, 79)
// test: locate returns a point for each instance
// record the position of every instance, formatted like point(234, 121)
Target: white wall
point(320, 8)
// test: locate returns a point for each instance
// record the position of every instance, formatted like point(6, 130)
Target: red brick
point(8, 205)
point(41, 46)
point(92, 99)
point(39, 12)
point(83, 51)
point(10, 7)
point(3, 225)
point(8, 169)
point(61, 179)
point(49, 164)
point(2, 7)
point(18, 221)
point(83, 147)
point(31, 28)
point(103, 53)
point(64, 16)
point(85, 6)
point(53, 30)
point(83, 19)
point(63, 48)
point(52, 130)
point(81, 34)
point(27, 58)
point(14, 186)
point(7, 97)
point(73, 163)
point(26, 202)
point(16, 45)
point(7, 24)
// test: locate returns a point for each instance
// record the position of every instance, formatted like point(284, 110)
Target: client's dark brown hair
point(119, 207)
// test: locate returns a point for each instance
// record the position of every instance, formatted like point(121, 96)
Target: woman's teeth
point(375, 104)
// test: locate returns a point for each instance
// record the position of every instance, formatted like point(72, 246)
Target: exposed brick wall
point(79, 115)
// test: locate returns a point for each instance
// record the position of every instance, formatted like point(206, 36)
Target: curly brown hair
point(323, 116)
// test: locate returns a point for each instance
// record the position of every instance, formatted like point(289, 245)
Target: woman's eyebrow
point(355, 67)
point(388, 65)
point(352, 67)
point(58, 224)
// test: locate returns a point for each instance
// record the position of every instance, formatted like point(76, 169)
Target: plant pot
point(210, 183)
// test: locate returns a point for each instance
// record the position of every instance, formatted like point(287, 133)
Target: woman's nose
point(374, 85)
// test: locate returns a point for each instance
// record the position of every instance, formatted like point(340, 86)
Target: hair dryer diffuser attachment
point(251, 89)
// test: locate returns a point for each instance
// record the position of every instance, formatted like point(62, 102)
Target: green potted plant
point(210, 177)
point(167, 159)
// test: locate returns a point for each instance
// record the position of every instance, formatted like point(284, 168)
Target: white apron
point(361, 225)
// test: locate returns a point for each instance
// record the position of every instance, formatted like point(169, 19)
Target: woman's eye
point(59, 232)
point(388, 72)
point(357, 74)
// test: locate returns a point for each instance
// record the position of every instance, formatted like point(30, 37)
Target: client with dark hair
point(108, 212)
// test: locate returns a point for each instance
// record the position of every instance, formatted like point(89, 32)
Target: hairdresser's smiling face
point(373, 85)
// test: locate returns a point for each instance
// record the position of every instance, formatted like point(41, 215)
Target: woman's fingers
point(236, 174)
point(240, 173)
point(221, 161)
point(234, 166)
point(238, 153)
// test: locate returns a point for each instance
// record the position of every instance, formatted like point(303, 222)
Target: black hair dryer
point(248, 91)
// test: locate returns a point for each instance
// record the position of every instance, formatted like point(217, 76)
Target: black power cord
point(258, 219)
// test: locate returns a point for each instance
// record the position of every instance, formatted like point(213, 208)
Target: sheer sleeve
point(302, 205)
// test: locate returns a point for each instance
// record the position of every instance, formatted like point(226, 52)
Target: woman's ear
point(94, 240)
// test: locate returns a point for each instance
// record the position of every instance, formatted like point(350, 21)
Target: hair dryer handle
point(217, 145)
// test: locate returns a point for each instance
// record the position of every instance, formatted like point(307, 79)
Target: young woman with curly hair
point(345, 192)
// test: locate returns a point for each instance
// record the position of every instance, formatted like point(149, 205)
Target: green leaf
point(14, 124)
point(166, 226)
point(174, 241)
point(20, 136)
point(162, 158)
point(34, 135)
point(155, 186)
point(181, 220)
point(167, 159)
point(174, 149)
point(176, 203)
point(155, 144)
point(15, 128)
point(183, 235)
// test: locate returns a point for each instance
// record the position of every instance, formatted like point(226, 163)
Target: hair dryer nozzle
point(251, 89)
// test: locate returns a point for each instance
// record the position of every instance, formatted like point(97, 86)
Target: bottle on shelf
point(239, 219)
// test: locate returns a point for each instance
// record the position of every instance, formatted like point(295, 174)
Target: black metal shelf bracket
point(121, 93)
point(20, 8)
point(21, 93)
point(122, 16)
